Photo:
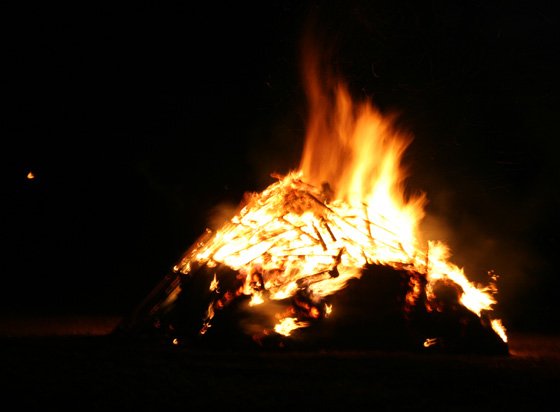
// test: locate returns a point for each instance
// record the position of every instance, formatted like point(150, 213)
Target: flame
point(345, 207)
point(287, 325)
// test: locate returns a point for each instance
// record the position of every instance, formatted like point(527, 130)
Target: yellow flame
point(498, 326)
point(214, 284)
point(287, 325)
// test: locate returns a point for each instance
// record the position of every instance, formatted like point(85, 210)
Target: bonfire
point(343, 216)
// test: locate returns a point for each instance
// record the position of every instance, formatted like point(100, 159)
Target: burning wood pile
point(277, 267)
point(327, 256)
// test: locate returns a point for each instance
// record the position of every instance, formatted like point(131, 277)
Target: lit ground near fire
point(77, 362)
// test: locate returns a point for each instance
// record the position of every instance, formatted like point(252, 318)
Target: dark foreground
point(102, 371)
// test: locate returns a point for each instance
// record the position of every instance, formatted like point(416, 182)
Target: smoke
point(493, 233)
point(220, 214)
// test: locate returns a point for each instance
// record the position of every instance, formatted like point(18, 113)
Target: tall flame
point(358, 152)
point(318, 227)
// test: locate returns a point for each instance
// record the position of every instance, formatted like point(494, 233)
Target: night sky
point(142, 122)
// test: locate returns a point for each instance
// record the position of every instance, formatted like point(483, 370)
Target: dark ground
point(80, 369)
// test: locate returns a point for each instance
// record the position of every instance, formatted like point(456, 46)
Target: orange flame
point(318, 227)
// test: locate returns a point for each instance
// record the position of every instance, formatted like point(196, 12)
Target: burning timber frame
point(251, 258)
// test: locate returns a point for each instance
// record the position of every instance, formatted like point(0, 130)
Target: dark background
point(141, 122)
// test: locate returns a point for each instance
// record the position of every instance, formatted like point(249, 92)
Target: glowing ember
point(310, 232)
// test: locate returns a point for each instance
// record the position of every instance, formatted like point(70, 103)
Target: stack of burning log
point(296, 269)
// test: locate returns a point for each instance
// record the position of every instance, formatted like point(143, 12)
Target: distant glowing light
point(430, 342)
point(30, 175)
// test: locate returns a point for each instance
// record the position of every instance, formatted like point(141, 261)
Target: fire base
point(370, 313)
